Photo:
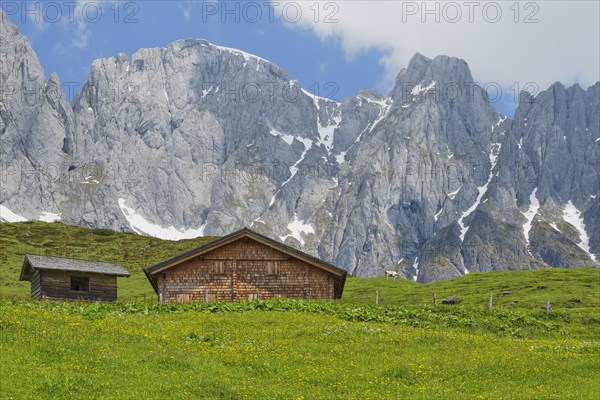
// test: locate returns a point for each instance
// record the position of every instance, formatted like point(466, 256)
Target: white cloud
point(563, 45)
point(85, 13)
point(186, 8)
point(79, 17)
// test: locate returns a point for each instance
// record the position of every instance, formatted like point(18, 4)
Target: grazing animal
point(392, 274)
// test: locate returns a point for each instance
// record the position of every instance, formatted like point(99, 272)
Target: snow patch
point(140, 226)
point(49, 217)
point(90, 180)
point(494, 151)
point(289, 139)
point(501, 118)
point(386, 105)
point(452, 195)
point(574, 217)
point(298, 228)
point(436, 216)
point(294, 168)
point(8, 216)
point(247, 56)
point(534, 206)
point(316, 99)
point(416, 268)
point(326, 133)
point(420, 88)
point(206, 92)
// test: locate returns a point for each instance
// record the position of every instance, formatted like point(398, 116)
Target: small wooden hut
point(54, 278)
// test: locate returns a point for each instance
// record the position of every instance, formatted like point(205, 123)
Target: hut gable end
point(242, 266)
point(54, 278)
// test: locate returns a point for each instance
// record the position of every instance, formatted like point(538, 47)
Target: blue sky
point(314, 62)
point(336, 42)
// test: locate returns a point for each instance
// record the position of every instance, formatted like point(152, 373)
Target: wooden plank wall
point(56, 285)
point(245, 277)
point(36, 285)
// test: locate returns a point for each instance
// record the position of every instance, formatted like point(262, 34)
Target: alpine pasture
point(403, 347)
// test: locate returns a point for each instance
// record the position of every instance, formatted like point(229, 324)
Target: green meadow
point(132, 251)
point(403, 347)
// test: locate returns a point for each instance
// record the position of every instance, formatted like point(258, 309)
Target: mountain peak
point(422, 70)
point(6, 26)
point(418, 61)
point(181, 44)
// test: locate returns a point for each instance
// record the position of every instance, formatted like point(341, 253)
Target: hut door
point(233, 278)
point(184, 298)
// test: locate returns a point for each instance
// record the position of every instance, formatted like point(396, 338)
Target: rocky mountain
point(196, 139)
point(36, 124)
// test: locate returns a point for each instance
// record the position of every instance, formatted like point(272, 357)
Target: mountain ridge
point(197, 139)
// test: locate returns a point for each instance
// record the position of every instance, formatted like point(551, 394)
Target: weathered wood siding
point(56, 285)
point(243, 276)
point(36, 285)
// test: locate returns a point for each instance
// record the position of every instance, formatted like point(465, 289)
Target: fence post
point(206, 295)
point(491, 301)
point(376, 297)
point(548, 306)
point(434, 300)
point(257, 295)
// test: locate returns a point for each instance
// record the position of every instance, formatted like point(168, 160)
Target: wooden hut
point(244, 265)
point(54, 278)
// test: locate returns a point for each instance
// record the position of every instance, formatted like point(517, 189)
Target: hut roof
point(33, 262)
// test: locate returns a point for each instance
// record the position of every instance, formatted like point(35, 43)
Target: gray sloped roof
point(33, 262)
point(339, 273)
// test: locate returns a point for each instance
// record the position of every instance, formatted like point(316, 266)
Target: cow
point(392, 274)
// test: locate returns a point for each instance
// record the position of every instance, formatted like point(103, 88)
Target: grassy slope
point(530, 289)
point(132, 251)
point(403, 348)
point(566, 288)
